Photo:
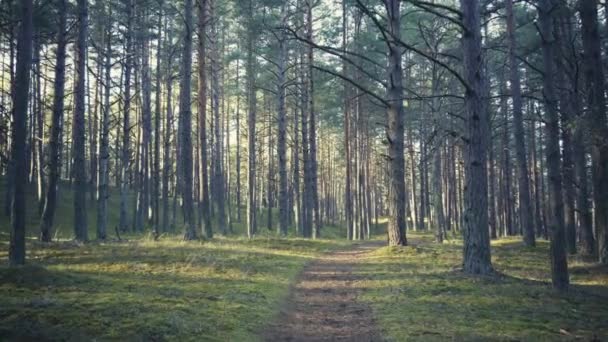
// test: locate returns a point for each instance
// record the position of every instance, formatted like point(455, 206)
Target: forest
point(303, 170)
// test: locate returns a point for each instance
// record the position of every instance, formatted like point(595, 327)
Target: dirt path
point(322, 304)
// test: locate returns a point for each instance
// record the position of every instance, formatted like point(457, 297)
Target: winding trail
point(322, 304)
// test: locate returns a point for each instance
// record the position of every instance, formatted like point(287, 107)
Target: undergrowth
point(142, 290)
point(419, 293)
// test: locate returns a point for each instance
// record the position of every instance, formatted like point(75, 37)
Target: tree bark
point(203, 7)
point(348, 204)
point(251, 98)
point(50, 199)
point(126, 122)
point(80, 181)
point(396, 224)
point(237, 115)
point(525, 207)
point(104, 148)
point(218, 173)
point(312, 134)
point(16, 253)
point(185, 116)
point(282, 123)
point(477, 258)
point(438, 196)
point(559, 261)
point(146, 118)
point(594, 75)
point(167, 160)
point(157, 126)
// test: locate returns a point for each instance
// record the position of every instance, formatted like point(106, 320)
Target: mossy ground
point(222, 290)
point(138, 289)
point(419, 293)
point(228, 288)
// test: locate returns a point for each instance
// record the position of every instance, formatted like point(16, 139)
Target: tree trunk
point(525, 207)
point(126, 123)
point(94, 124)
point(312, 134)
point(570, 105)
point(492, 192)
point(202, 113)
point(16, 253)
point(237, 115)
point(477, 259)
point(251, 98)
point(50, 199)
point(146, 115)
point(396, 224)
point(80, 181)
point(157, 125)
point(348, 204)
point(167, 160)
point(218, 174)
point(281, 142)
point(185, 116)
point(104, 148)
point(559, 261)
point(10, 168)
point(594, 76)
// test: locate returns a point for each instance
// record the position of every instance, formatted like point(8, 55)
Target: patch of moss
point(418, 293)
point(141, 290)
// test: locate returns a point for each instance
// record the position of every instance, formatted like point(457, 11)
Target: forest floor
point(323, 303)
point(269, 288)
point(235, 289)
point(146, 290)
point(419, 293)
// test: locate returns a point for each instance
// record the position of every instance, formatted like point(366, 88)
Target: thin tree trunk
point(348, 205)
point(306, 205)
point(559, 261)
point(104, 150)
point(146, 113)
point(126, 123)
point(185, 116)
point(167, 160)
point(251, 92)
point(202, 112)
point(237, 115)
point(525, 207)
point(16, 253)
point(50, 199)
point(437, 196)
point(94, 125)
point(157, 124)
point(282, 123)
point(312, 134)
point(218, 174)
point(492, 192)
point(80, 182)
point(508, 206)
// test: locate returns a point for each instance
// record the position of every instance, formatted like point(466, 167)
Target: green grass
point(225, 289)
point(418, 293)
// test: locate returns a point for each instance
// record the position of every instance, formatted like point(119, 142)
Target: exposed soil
point(322, 304)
